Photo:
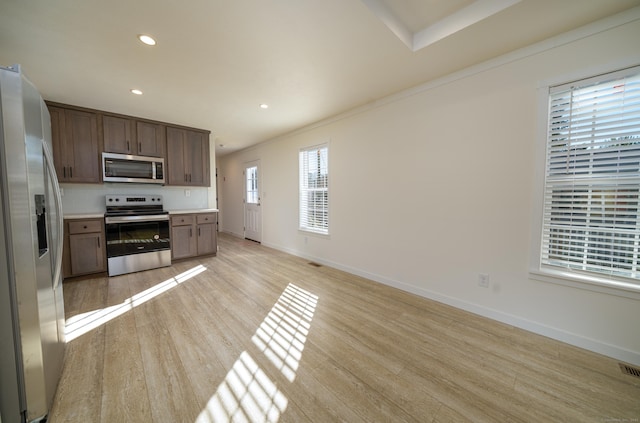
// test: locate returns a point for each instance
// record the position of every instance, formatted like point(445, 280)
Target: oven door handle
point(126, 219)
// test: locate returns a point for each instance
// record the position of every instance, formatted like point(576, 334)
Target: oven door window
point(137, 237)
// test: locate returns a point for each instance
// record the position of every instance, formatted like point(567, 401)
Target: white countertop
point(101, 215)
point(193, 211)
point(84, 216)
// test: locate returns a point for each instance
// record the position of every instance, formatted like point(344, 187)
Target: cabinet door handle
point(70, 172)
point(98, 241)
point(198, 231)
point(190, 233)
point(140, 147)
point(128, 146)
point(185, 178)
point(64, 171)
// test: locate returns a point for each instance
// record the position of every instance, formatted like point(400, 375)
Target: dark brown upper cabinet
point(117, 135)
point(129, 136)
point(76, 145)
point(187, 157)
point(151, 139)
point(80, 135)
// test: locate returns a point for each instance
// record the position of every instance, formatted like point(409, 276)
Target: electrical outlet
point(187, 193)
point(483, 280)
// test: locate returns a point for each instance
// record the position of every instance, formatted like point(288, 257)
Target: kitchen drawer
point(85, 226)
point(206, 218)
point(181, 220)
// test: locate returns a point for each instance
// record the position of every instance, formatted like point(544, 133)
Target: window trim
point(309, 230)
point(607, 284)
point(256, 197)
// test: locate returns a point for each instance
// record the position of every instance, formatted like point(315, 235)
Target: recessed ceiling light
point(136, 92)
point(264, 106)
point(148, 40)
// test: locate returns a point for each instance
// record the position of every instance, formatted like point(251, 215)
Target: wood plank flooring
point(259, 335)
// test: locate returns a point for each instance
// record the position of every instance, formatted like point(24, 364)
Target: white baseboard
point(234, 234)
point(613, 351)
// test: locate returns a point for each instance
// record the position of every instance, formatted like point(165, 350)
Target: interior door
point(252, 210)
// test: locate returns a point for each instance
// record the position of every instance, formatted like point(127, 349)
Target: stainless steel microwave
point(128, 168)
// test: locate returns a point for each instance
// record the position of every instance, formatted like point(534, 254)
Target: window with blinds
point(591, 219)
point(314, 189)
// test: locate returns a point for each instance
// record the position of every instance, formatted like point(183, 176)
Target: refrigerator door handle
point(48, 155)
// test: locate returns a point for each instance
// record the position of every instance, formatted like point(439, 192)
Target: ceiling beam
point(386, 15)
point(457, 21)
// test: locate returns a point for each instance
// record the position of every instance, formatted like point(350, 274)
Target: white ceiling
point(216, 61)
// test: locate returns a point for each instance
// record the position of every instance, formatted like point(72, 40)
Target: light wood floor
point(260, 335)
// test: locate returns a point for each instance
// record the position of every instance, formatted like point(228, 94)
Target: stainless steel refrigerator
point(31, 303)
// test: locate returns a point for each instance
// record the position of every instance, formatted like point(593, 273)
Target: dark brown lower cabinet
point(193, 235)
point(84, 253)
point(84, 247)
point(183, 241)
point(207, 235)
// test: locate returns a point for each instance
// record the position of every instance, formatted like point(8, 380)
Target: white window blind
point(591, 217)
point(314, 189)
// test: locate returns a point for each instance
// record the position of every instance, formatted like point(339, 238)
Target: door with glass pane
point(252, 213)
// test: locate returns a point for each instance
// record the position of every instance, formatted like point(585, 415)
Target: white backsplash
point(89, 198)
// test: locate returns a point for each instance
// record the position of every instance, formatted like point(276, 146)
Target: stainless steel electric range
point(137, 232)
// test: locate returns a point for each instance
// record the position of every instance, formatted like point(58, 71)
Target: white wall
point(432, 186)
point(89, 198)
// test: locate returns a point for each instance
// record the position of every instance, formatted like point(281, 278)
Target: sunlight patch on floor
point(283, 333)
point(246, 395)
point(77, 326)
